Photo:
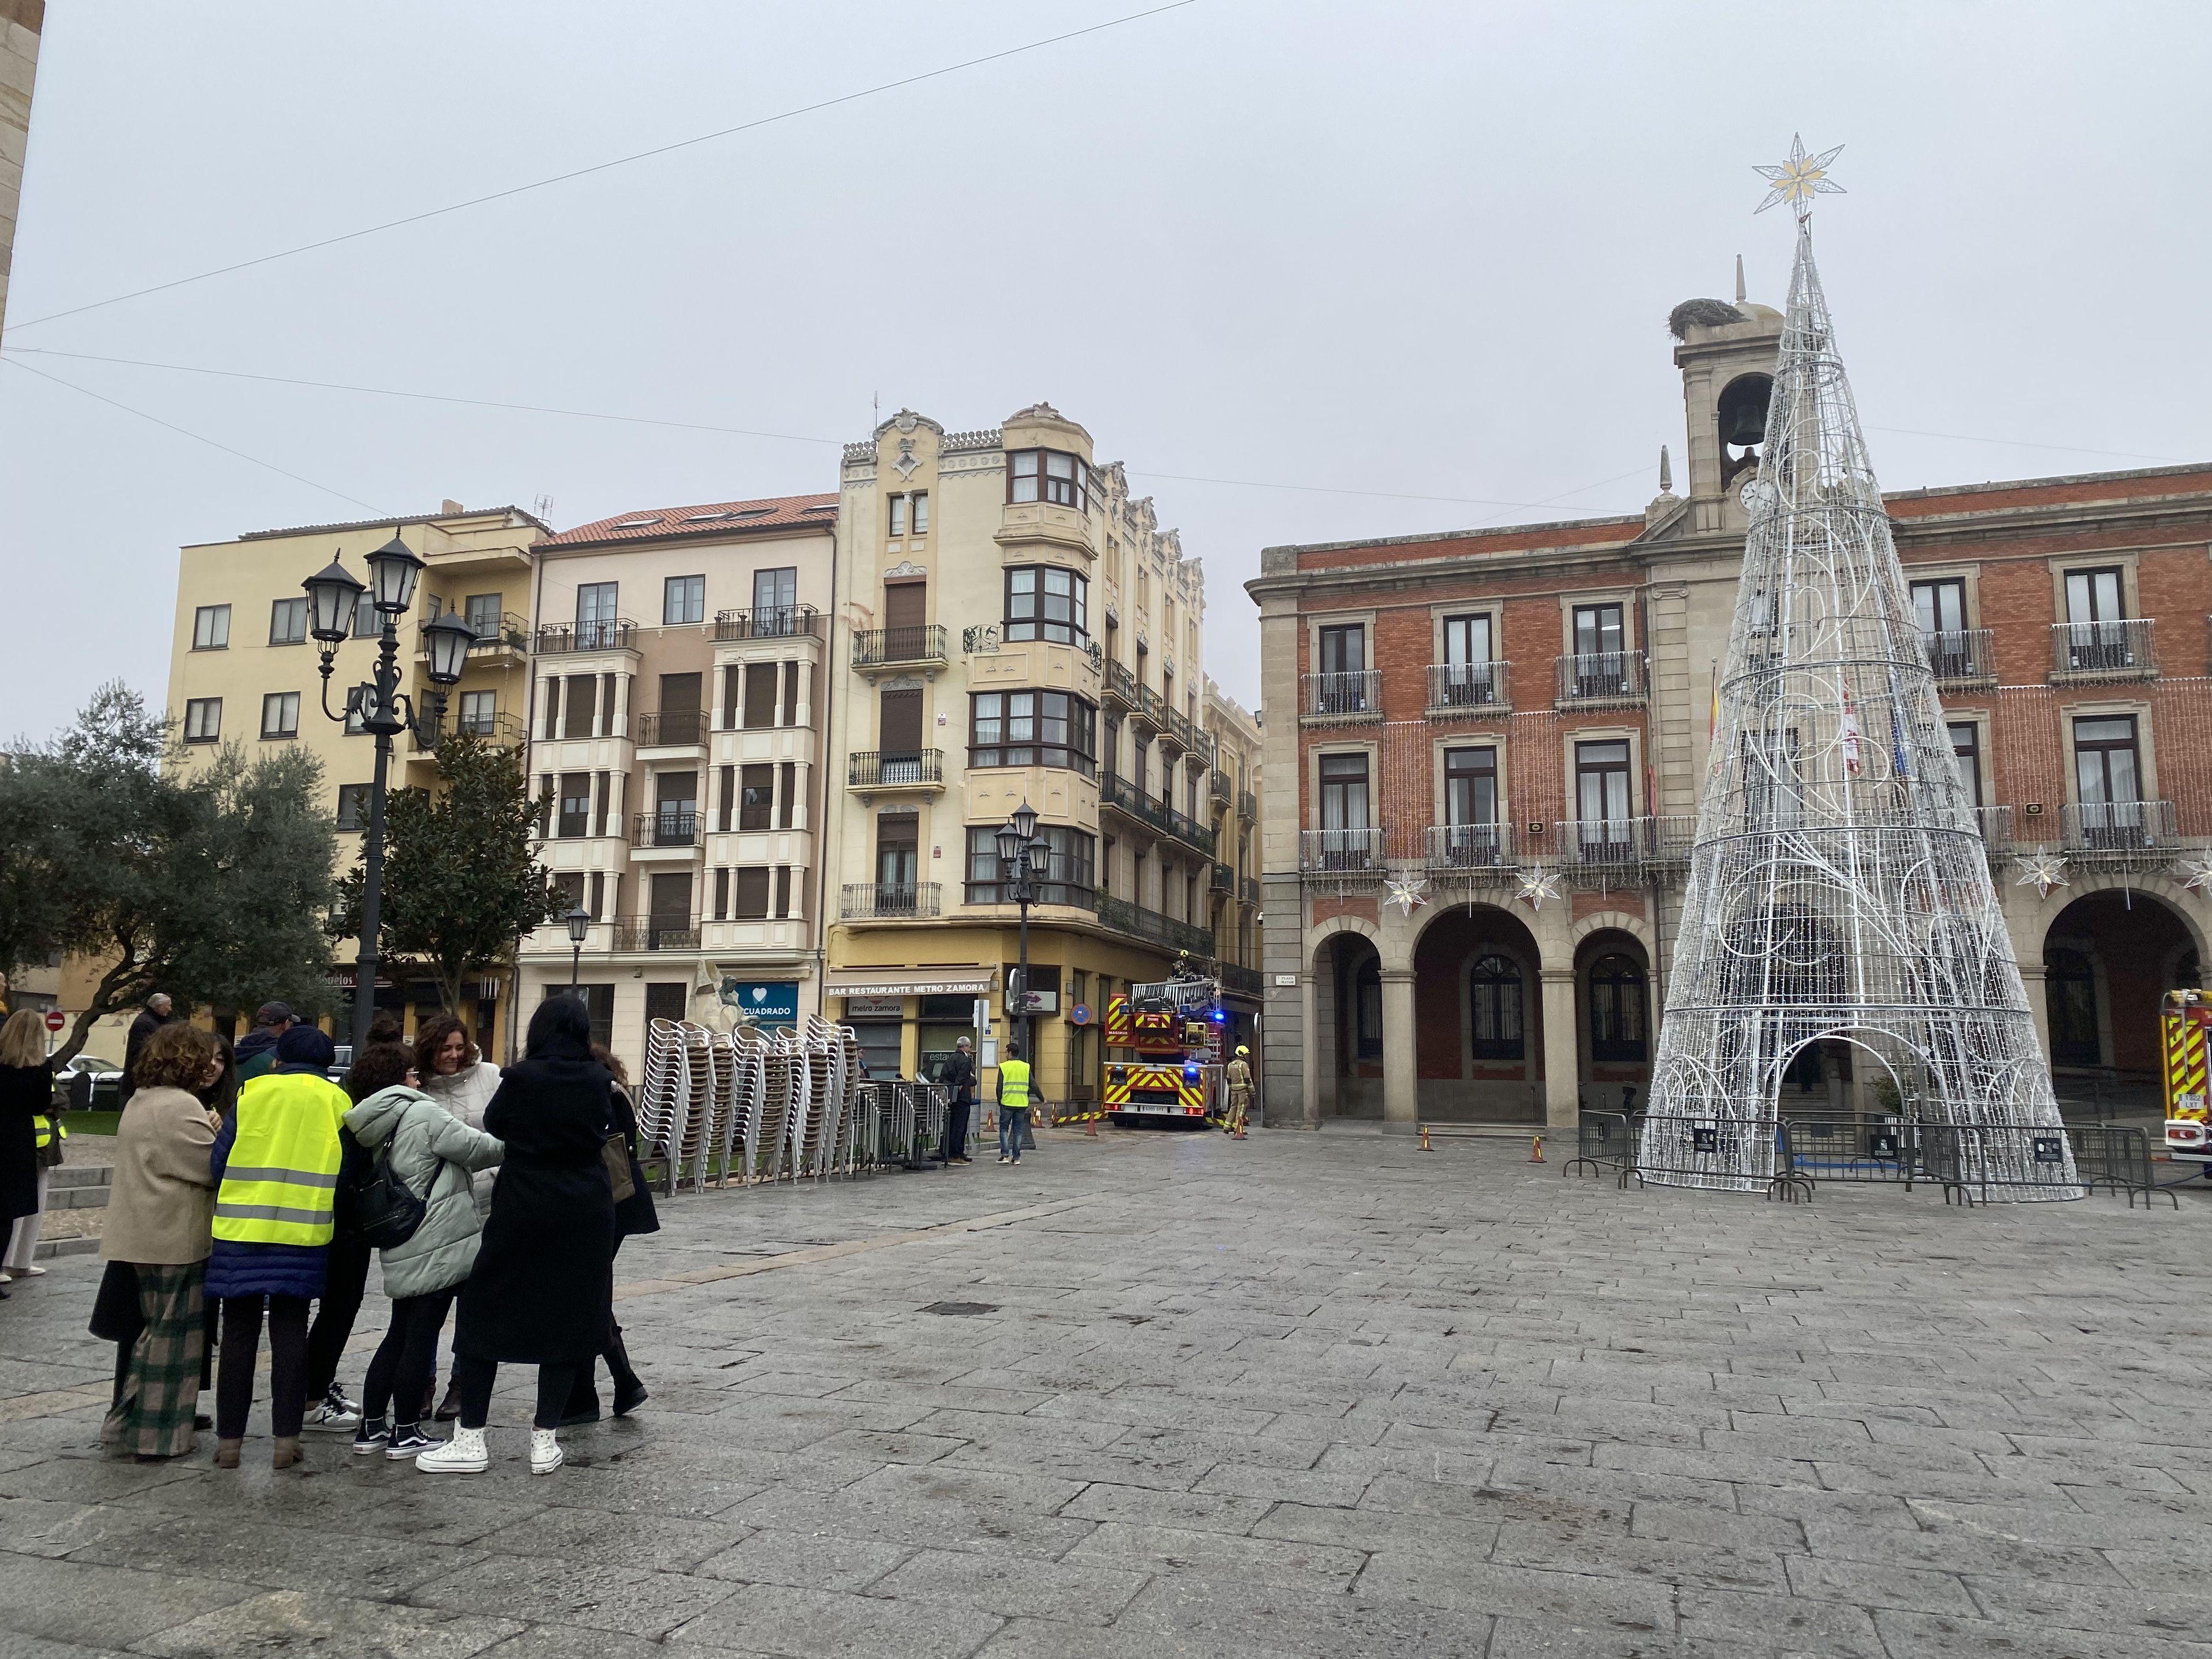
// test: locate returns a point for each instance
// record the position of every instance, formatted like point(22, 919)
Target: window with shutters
point(760, 695)
point(751, 901)
point(757, 798)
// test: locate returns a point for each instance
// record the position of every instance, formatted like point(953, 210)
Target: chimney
point(451, 509)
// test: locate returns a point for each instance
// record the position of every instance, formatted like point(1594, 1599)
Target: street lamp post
point(381, 708)
point(579, 923)
point(1023, 857)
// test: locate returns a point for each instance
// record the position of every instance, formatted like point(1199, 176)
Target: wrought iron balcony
point(1599, 679)
point(777, 621)
point(1995, 824)
point(896, 768)
point(1355, 695)
point(1469, 688)
point(1119, 687)
point(1963, 656)
point(1245, 981)
point(1175, 729)
point(669, 826)
point(504, 631)
point(1122, 796)
point(1470, 846)
point(1154, 709)
point(1341, 852)
point(617, 635)
point(1224, 878)
point(2085, 653)
point(893, 648)
point(1134, 919)
point(2123, 826)
point(1247, 892)
point(1217, 783)
point(672, 728)
point(1604, 843)
point(876, 901)
point(654, 934)
point(1247, 806)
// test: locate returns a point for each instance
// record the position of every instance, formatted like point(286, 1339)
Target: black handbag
point(386, 1210)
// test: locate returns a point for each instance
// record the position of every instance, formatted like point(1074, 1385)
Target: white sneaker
point(463, 1454)
point(27, 1273)
point(545, 1454)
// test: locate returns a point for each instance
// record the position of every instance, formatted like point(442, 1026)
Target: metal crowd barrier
point(2115, 1159)
point(1973, 1162)
point(1847, 1149)
point(1714, 1155)
point(1602, 1141)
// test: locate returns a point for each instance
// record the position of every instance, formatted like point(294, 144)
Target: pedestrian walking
point(634, 1215)
point(433, 1154)
point(959, 1078)
point(1015, 1099)
point(151, 1018)
point(1238, 1077)
point(451, 1071)
point(256, 1053)
point(161, 1211)
point(543, 1290)
point(27, 1103)
point(278, 1158)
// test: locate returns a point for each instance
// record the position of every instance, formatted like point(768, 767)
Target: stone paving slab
point(1306, 1396)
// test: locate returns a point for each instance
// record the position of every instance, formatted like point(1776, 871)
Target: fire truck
point(2184, 1021)
point(1164, 1046)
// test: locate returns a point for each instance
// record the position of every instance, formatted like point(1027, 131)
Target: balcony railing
point(1245, 981)
point(1154, 709)
point(613, 635)
point(1124, 796)
point(1205, 748)
point(505, 631)
point(1121, 686)
point(779, 622)
point(1469, 846)
point(1224, 878)
point(1218, 784)
point(672, 728)
point(1595, 678)
point(2090, 651)
point(1175, 729)
point(876, 901)
point(1247, 806)
point(500, 731)
point(881, 647)
point(893, 768)
point(2123, 826)
point(1134, 919)
point(1247, 890)
point(1341, 852)
point(1467, 687)
point(1964, 656)
point(1995, 824)
point(655, 934)
point(1353, 696)
point(1598, 843)
point(668, 827)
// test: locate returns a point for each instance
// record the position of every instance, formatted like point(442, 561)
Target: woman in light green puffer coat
point(435, 1153)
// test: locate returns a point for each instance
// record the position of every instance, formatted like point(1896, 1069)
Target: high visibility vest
point(281, 1184)
point(50, 1127)
point(1013, 1083)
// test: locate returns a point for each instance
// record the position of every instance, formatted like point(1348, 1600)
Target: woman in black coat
point(633, 1215)
point(543, 1290)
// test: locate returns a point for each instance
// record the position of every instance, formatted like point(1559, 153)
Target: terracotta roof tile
point(704, 519)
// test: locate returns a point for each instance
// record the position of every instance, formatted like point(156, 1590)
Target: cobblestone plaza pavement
point(1309, 1394)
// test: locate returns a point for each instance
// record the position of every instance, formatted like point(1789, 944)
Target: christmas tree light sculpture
point(1839, 887)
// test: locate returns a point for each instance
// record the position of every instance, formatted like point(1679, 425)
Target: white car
point(106, 1080)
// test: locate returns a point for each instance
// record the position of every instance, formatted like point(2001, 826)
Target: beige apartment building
point(1014, 627)
point(243, 669)
point(679, 666)
point(1233, 801)
point(21, 22)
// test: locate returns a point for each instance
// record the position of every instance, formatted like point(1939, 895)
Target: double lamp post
point(379, 708)
point(1023, 857)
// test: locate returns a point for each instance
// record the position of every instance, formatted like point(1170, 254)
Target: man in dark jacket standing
point(151, 1018)
point(958, 1078)
point(257, 1050)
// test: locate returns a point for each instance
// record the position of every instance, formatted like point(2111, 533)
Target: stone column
point(1561, 1059)
point(2031, 977)
point(1402, 1108)
point(1308, 1055)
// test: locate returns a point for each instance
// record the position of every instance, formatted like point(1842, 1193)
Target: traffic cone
point(1425, 1140)
point(1536, 1149)
point(1090, 1125)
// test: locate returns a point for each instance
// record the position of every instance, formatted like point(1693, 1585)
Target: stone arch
point(1322, 931)
point(1616, 1031)
point(1623, 921)
point(2133, 936)
point(1452, 1081)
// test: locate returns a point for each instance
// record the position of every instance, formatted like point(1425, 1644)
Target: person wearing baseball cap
point(257, 1049)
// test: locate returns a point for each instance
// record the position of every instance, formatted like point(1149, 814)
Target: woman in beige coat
point(161, 1217)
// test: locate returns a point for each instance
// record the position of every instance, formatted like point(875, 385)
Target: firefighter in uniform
point(1238, 1077)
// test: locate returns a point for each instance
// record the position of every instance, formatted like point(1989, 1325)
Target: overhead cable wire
point(607, 166)
point(197, 437)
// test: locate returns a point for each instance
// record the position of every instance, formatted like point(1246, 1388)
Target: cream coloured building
point(21, 24)
point(680, 670)
point(243, 668)
point(1013, 627)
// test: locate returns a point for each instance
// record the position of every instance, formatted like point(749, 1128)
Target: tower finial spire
point(1666, 473)
point(1739, 295)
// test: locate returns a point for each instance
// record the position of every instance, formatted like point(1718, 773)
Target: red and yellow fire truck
point(2184, 1020)
point(1164, 1049)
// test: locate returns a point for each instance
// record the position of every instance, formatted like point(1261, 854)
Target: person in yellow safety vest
point(278, 1160)
point(1014, 1102)
point(1238, 1077)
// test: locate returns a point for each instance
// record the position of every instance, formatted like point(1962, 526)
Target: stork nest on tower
point(1703, 313)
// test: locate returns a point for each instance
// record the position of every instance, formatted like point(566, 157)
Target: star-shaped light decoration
point(1536, 886)
point(2042, 872)
point(1800, 179)
point(2197, 873)
point(1407, 893)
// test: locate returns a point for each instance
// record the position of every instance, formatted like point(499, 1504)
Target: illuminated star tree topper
point(1800, 179)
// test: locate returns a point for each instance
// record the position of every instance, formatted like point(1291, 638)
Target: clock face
point(1757, 496)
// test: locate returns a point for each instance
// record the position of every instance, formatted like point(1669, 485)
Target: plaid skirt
point(153, 1415)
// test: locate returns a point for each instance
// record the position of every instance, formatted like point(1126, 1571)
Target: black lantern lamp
point(1010, 844)
point(579, 923)
point(333, 596)
point(449, 638)
point(1024, 820)
point(1040, 857)
point(393, 572)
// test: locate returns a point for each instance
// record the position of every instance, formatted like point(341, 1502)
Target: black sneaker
point(407, 1440)
point(371, 1439)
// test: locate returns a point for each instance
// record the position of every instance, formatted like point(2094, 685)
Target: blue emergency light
point(1190, 1070)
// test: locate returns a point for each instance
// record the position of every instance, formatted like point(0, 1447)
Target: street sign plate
point(55, 1019)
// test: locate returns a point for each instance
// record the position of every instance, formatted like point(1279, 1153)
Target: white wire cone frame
point(1839, 886)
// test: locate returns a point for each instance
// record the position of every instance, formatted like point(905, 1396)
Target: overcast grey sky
point(1419, 250)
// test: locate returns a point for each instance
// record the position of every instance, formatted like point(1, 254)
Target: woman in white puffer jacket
point(449, 1069)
